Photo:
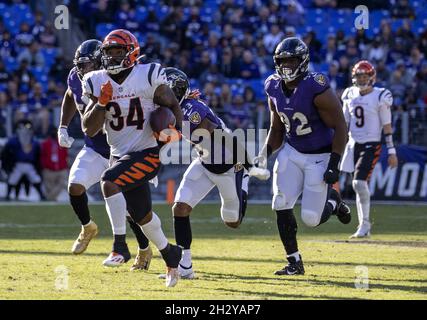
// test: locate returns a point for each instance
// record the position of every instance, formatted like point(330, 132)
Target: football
point(161, 119)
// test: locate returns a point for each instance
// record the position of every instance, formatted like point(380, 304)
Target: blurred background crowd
point(225, 46)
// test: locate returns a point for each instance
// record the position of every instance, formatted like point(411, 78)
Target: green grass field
point(230, 264)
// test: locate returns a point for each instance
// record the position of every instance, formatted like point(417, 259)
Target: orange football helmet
point(363, 67)
point(119, 38)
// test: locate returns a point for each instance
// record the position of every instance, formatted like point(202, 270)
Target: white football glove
point(155, 181)
point(259, 173)
point(64, 139)
point(260, 162)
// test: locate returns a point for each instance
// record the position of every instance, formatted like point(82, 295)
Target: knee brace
point(362, 189)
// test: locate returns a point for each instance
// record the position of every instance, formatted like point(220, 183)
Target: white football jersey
point(127, 118)
point(366, 115)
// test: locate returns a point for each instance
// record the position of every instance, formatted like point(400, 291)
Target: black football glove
point(332, 173)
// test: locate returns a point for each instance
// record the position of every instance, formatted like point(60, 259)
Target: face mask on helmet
point(115, 59)
point(179, 86)
point(362, 81)
point(289, 68)
point(85, 65)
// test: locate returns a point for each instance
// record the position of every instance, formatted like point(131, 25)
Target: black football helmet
point(88, 57)
point(178, 82)
point(291, 58)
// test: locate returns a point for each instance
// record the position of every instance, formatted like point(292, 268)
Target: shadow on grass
point(300, 280)
point(235, 259)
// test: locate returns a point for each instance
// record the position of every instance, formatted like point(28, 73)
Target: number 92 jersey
point(367, 114)
point(127, 118)
point(305, 130)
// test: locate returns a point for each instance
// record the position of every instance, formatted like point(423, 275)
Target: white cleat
point(114, 260)
point(362, 232)
point(172, 277)
point(186, 274)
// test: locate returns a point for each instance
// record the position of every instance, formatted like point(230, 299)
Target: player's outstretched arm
point(68, 110)
point(330, 111)
point(164, 96)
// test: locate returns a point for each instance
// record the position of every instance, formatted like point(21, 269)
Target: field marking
point(161, 202)
point(397, 243)
point(193, 220)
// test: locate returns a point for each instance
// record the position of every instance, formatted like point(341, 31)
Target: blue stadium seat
point(11, 64)
point(102, 29)
point(141, 14)
point(49, 55)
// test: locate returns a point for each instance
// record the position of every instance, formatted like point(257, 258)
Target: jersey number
point(301, 129)
point(135, 108)
point(359, 114)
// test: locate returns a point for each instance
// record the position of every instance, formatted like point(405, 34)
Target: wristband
point(389, 141)
point(334, 160)
point(63, 126)
point(391, 151)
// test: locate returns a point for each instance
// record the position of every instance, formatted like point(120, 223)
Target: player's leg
point(320, 200)
point(13, 179)
point(131, 175)
point(34, 178)
point(145, 254)
point(232, 187)
point(85, 172)
point(367, 157)
point(285, 195)
point(194, 186)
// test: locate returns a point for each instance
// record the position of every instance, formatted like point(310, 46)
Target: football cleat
point(86, 235)
point(142, 259)
point(115, 260)
point(342, 210)
point(172, 277)
point(184, 273)
point(293, 268)
point(363, 231)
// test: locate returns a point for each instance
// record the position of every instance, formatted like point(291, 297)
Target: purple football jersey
point(195, 111)
point(305, 130)
point(98, 142)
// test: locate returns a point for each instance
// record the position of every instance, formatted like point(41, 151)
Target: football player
point(122, 97)
point(307, 120)
point(93, 159)
point(367, 113)
point(231, 178)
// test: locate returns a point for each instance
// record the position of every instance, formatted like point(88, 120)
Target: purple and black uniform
point(98, 142)
point(195, 111)
point(305, 130)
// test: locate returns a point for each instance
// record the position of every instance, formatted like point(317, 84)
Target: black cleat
point(343, 213)
point(293, 268)
point(342, 210)
point(172, 255)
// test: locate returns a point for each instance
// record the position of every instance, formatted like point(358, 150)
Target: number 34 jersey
point(366, 115)
point(305, 130)
point(127, 118)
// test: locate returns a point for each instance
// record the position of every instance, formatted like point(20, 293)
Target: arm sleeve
point(386, 101)
point(156, 77)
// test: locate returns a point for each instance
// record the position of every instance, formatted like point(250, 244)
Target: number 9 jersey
point(366, 114)
point(127, 114)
